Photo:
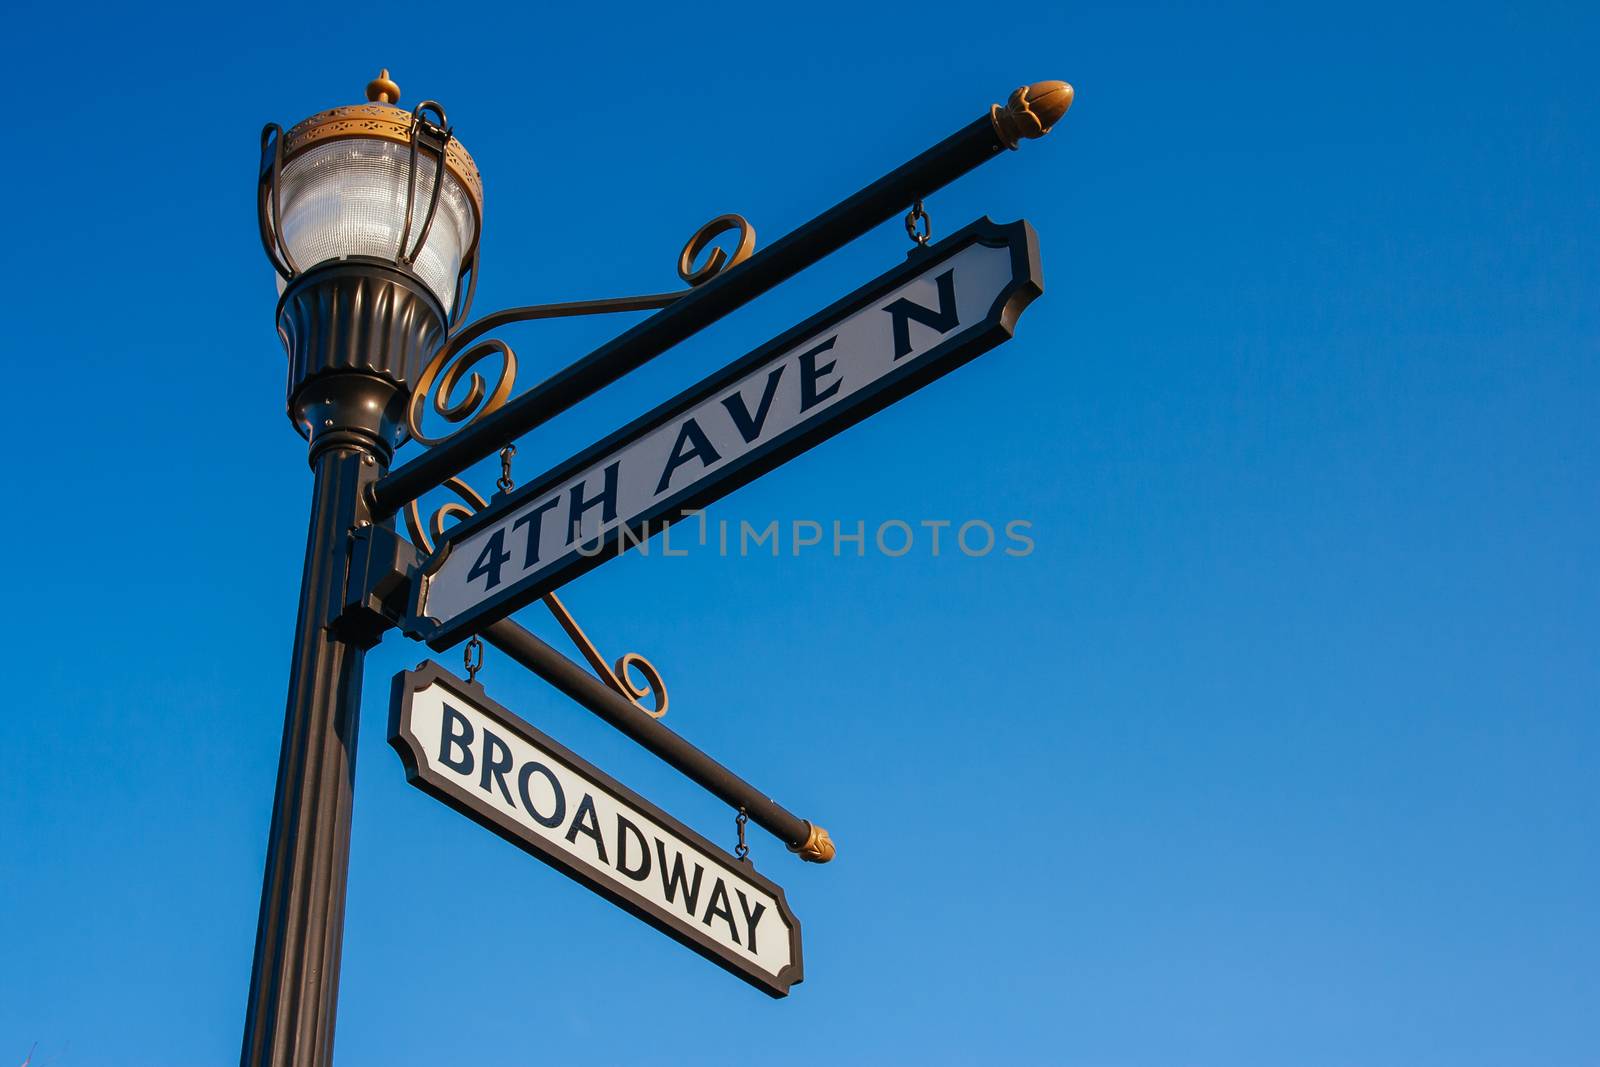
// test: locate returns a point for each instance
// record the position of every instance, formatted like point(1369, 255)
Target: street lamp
point(371, 216)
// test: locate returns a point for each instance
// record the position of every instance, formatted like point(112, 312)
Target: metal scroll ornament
point(460, 396)
point(424, 538)
point(442, 379)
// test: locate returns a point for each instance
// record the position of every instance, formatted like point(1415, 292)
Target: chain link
point(918, 215)
point(472, 658)
point(504, 482)
point(741, 850)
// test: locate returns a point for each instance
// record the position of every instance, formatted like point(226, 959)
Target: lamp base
point(358, 333)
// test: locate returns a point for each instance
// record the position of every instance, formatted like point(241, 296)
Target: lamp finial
point(381, 90)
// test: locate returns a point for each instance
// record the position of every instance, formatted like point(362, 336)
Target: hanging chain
point(918, 215)
point(741, 850)
point(472, 658)
point(504, 482)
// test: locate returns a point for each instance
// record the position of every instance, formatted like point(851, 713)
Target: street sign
point(946, 305)
point(464, 749)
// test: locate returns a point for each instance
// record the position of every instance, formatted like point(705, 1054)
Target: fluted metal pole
point(295, 985)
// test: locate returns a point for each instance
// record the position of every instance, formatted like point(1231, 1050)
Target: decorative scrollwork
point(719, 260)
point(450, 510)
point(616, 677)
point(454, 359)
point(446, 372)
point(652, 681)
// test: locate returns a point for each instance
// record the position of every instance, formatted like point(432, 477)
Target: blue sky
point(1280, 748)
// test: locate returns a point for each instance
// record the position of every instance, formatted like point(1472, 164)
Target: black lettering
point(533, 520)
point(904, 312)
point(490, 560)
point(450, 737)
point(720, 892)
point(750, 428)
point(556, 816)
point(674, 880)
point(495, 766)
point(624, 827)
point(592, 829)
point(752, 919)
point(810, 373)
point(606, 499)
point(700, 447)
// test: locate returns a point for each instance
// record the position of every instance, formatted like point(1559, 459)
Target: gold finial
point(817, 848)
point(381, 90)
point(1031, 111)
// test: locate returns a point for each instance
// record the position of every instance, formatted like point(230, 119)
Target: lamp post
point(371, 215)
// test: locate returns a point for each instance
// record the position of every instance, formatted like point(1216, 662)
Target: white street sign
point(466, 750)
point(941, 308)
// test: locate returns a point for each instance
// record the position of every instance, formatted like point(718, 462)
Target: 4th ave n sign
point(946, 305)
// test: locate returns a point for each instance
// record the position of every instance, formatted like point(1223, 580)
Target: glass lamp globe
point(344, 186)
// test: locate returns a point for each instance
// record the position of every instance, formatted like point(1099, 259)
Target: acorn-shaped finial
point(1031, 111)
point(381, 90)
point(817, 847)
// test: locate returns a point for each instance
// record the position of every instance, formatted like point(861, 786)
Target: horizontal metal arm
point(811, 842)
point(885, 198)
point(608, 306)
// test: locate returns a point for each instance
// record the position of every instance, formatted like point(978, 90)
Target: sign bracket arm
point(809, 841)
point(1030, 112)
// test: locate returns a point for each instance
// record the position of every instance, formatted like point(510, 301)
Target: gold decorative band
point(385, 123)
point(817, 848)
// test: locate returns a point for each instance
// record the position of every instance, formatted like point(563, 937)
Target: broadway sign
point(464, 749)
point(944, 306)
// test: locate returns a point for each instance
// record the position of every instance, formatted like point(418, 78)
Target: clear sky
point(1280, 747)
